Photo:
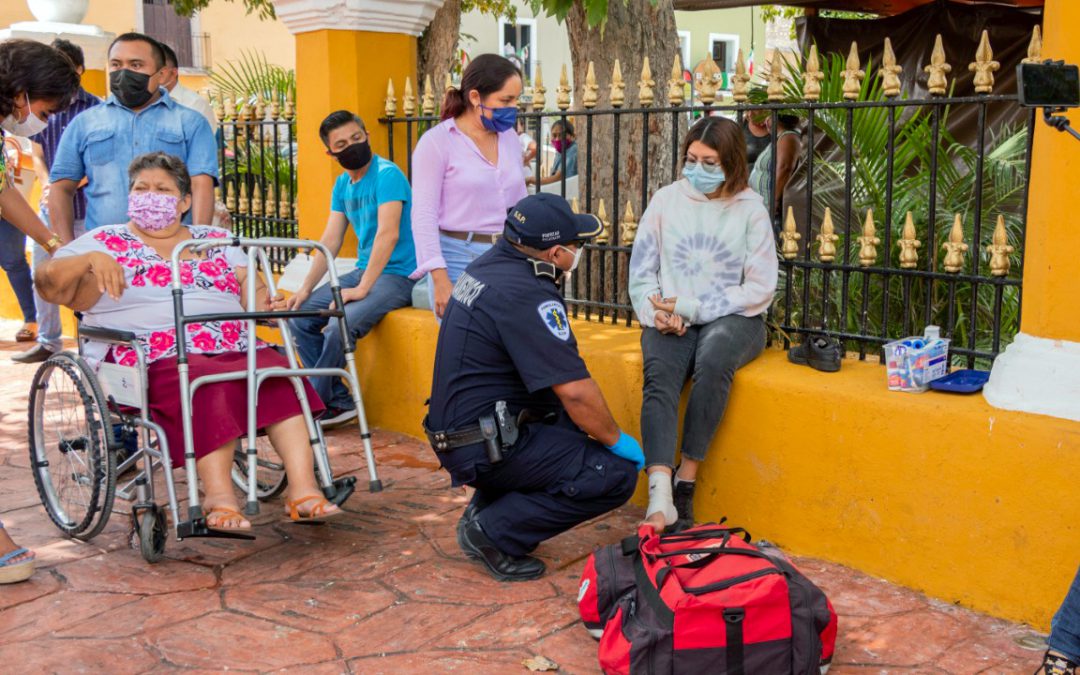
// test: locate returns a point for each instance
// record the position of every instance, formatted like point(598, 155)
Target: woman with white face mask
point(35, 81)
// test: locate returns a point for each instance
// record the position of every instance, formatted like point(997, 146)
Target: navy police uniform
point(505, 337)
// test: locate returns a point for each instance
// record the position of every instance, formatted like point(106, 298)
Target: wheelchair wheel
point(270, 478)
point(71, 446)
point(152, 530)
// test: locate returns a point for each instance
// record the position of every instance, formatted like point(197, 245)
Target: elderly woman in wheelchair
point(120, 278)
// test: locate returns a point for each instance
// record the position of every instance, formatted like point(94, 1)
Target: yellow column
point(96, 82)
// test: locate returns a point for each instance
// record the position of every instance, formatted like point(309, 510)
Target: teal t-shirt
point(383, 182)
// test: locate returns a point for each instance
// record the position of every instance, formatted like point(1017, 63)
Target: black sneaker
point(335, 416)
point(818, 353)
point(35, 354)
point(1055, 663)
point(682, 494)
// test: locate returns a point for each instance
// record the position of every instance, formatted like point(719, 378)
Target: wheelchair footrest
point(198, 528)
point(342, 489)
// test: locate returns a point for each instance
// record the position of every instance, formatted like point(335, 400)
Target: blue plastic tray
point(962, 381)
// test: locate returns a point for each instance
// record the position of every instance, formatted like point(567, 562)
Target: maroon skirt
point(219, 414)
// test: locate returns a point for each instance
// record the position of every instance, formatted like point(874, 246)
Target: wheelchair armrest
point(106, 334)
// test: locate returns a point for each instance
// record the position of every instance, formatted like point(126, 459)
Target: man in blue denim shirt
point(138, 117)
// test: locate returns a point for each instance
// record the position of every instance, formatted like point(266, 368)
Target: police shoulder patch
point(554, 316)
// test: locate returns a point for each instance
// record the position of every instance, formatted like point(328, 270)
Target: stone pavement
point(383, 589)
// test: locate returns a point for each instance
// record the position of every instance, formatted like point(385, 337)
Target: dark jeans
point(1065, 627)
point(709, 355)
point(13, 261)
point(321, 348)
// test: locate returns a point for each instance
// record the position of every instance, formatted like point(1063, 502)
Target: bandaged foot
point(660, 500)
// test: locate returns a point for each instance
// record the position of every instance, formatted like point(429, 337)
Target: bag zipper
point(733, 581)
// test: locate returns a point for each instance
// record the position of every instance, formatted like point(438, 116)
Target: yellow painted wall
point(940, 493)
point(117, 16)
point(1053, 232)
point(233, 32)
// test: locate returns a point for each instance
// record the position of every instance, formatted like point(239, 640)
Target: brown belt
point(473, 236)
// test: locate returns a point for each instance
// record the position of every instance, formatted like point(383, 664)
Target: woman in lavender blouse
point(466, 174)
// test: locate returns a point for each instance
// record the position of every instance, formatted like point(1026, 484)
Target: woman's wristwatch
point(52, 245)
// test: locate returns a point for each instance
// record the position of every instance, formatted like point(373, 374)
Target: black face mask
point(130, 88)
point(355, 156)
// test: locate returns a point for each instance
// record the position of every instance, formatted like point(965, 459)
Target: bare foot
point(223, 513)
point(7, 546)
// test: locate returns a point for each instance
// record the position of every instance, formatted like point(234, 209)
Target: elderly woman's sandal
point(221, 513)
point(315, 514)
point(14, 572)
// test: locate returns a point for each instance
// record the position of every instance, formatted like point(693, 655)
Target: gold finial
point(589, 96)
point(230, 200)
point(789, 246)
point(538, 99)
point(740, 81)
point(219, 106)
point(245, 114)
point(244, 207)
point(617, 87)
point(999, 250)
point(955, 247)
point(853, 77)
point(646, 84)
point(827, 238)
point(1034, 52)
point(562, 93)
point(283, 203)
point(909, 257)
point(448, 82)
point(290, 104)
point(676, 87)
point(574, 205)
point(229, 106)
point(775, 90)
point(275, 104)
point(813, 76)
point(628, 226)
point(708, 80)
point(391, 101)
point(408, 99)
point(984, 66)
point(890, 71)
point(427, 101)
point(938, 82)
point(605, 235)
point(260, 107)
point(869, 241)
point(257, 199)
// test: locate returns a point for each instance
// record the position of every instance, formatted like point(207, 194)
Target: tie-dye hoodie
point(717, 256)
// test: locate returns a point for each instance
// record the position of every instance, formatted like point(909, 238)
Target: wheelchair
point(88, 427)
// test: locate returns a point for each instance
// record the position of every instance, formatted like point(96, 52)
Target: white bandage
point(660, 497)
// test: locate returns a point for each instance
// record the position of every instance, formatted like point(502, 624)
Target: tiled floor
point(383, 589)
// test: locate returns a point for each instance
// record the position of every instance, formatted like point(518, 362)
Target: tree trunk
point(633, 31)
point(437, 46)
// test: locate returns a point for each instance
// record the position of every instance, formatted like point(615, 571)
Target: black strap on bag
point(733, 619)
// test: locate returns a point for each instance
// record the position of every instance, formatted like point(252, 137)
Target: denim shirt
point(100, 143)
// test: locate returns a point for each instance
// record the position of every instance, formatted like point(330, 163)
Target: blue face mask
point(501, 118)
point(705, 179)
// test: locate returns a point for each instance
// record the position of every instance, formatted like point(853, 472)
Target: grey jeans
point(709, 355)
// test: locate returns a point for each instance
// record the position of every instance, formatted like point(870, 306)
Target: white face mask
point(31, 126)
point(577, 257)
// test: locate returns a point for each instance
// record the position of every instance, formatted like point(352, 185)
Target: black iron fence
point(896, 216)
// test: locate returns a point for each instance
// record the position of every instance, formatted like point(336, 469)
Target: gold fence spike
point(645, 85)
point(984, 66)
point(827, 239)
point(290, 104)
point(229, 105)
point(245, 113)
point(890, 71)
point(909, 256)
point(562, 92)
point(813, 76)
point(408, 100)
point(709, 80)
point(219, 106)
point(775, 89)
point(740, 81)
point(243, 196)
point(789, 246)
point(427, 100)
point(628, 225)
point(1000, 249)
point(275, 105)
point(391, 101)
point(1034, 52)
point(283, 204)
point(574, 205)
point(230, 200)
point(955, 247)
point(605, 235)
point(538, 98)
point(589, 96)
point(260, 107)
point(676, 86)
point(257, 200)
point(617, 88)
point(853, 76)
point(938, 82)
point(448, 82)
point(869, 241)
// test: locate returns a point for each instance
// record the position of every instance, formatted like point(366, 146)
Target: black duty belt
point(496, 431)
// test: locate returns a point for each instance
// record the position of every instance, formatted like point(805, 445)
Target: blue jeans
point(457, 253)
point(49, 327)
point(321, 348)
point(13, 261)
point(1065, 627)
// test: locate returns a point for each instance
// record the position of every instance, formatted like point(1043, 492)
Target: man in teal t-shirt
point(374, 196)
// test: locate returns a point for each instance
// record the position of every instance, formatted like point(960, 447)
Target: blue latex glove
point(627, 447)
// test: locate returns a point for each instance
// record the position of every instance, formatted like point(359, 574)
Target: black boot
point(683, 497)
point(502, 566)
point(475, 506)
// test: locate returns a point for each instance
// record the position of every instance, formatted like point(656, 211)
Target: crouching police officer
point(514, 412)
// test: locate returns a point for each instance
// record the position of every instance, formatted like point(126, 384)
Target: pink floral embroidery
point(216, 234)
point(204, 342)
point(116, 244)
point(125, 356)
point(209, 268)
point(187, 275)
point(138, 280)
point(230, 334)
point(159, 275)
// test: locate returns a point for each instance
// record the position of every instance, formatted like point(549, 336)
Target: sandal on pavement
point(14, 572)
point(25, 335)
point(317, 513)
point(225, 513)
